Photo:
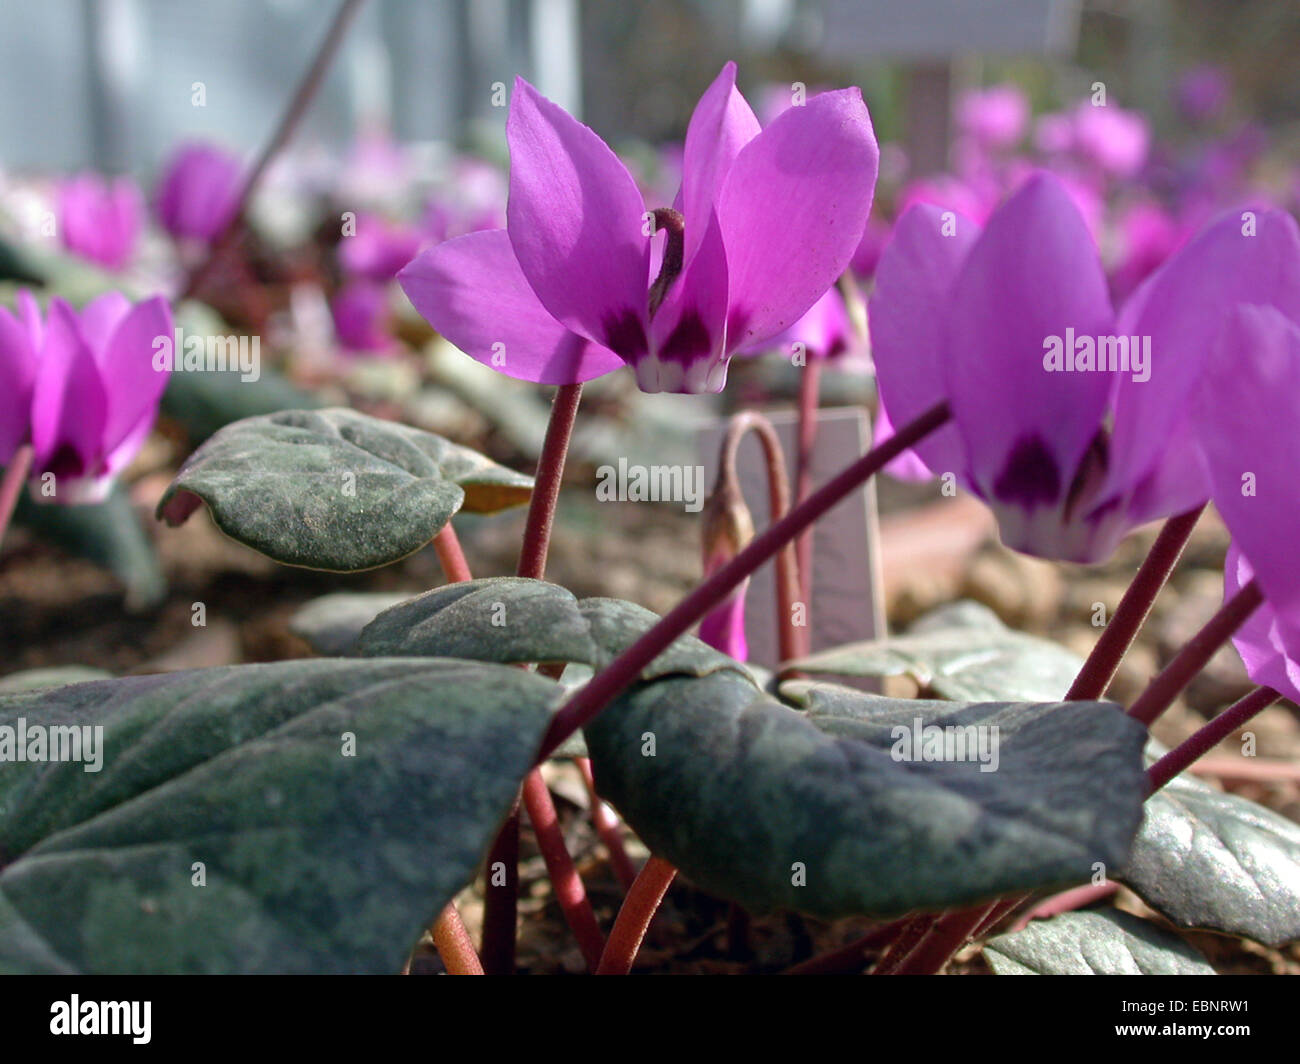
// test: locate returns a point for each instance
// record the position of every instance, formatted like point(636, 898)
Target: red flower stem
point(848, 958)
point(634, 916)
point(589, 700)
point(792, 639)
point(1100, 668)
point(546, 489)
point(15, 477)
point(569, 891)
point(454, 945)
point(936, 948)
point(450, 556)
point(1107, 653)
point(809, 400)
point(500, 909)
point(608, 828)
point(1208, 737)
point(1192, 658)
point(293, 116)
point(910, 933)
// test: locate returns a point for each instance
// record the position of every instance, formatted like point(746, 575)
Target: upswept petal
point(721, 125)
point(793, 210)
point(69, 402)
point(1259, 640)
point(1182, 307)
point(575, 220)
point(1246, 407)
point(1033, 274)
point(131, 384)
point(472, 290)
point(907, 313)
point(17, 371)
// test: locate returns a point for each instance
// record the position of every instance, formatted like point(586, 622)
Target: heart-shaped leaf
point(511, 620)
point(824, 813)
point(960, 652)
point(52, 676)
point(334, 489)
point(332, 623)
point(1109, 942)
point(1206, 859)
point(303, 816)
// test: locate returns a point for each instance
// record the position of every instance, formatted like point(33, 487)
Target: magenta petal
point(908, 312)
point(17, 371)
point(793, 211)
point(69, 403)
point(1260, 640)
point(908, 465)
point(688, 333)
point(721, 125)
point(1247, 406)
point(472, 290)
point(575, 219)
point(1182, 307)
point(1033, 274)
point(99, 317)
point(131, 383)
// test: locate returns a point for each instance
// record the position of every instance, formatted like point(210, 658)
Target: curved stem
point(1162, 691)
point(569, 891)
point(14, 479)
point(809, 397)
point(587, 702)
point(1131, 613)
point(790, 639)
point(634, 917)
point(1208, 737)
point(454, 945)
point(297, 109)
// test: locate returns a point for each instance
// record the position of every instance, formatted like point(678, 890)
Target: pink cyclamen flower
point(1246, 404)
point(100, 220)
point(1112, 139)
point(199, 192)
point(1202, 93)
point(766, 220)
point(362, 318)
point(1073, 424)
point(91, 388)
point(996, 117)
point(378, 249)
point(824, 332)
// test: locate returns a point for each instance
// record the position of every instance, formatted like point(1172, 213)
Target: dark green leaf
point(511, 620)
point(961, 652)
point(1109, 942)
point(315, 861)
point(741, 789)
point(53, 676)
point(334, 489)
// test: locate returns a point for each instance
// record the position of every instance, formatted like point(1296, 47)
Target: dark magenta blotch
point(688, 341)
point(625, 335)
point(1030, 477)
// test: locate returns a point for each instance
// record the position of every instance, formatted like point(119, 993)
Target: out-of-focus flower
point(727, 528)
point(1112, 139)
point(99, 219)
point(768, 221)
point(1072, 424)
point(995, 117)
point(1202, 93)
point(362, 317)
point(1147, 235)
point(199, 192)
point(94, 389)
point(378, 249)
